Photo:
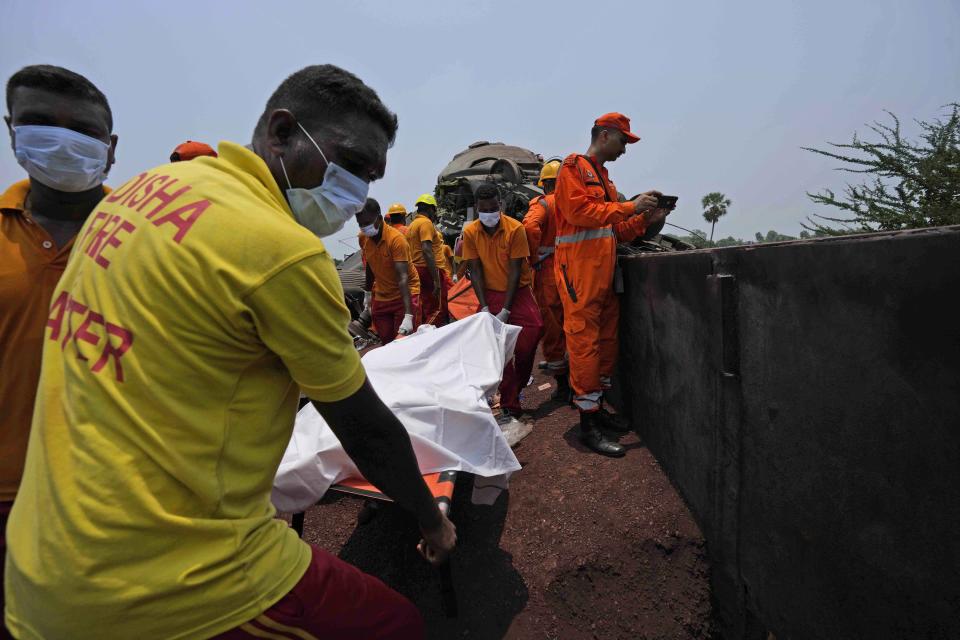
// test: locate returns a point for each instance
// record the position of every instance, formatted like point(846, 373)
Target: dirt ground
point(581, 546)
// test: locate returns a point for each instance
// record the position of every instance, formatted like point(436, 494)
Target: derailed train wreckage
point(515, 172)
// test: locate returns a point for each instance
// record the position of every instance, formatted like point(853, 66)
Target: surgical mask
point(60, 158)
point(325, 209)
point(489, 218)
point(370, 230)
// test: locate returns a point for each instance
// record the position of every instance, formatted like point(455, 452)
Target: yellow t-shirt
point(422, 230)
point(192, 311)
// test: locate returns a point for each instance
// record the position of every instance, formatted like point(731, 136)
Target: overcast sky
point(724, 94)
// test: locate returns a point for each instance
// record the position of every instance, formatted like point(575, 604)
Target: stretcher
point(461, 299)
point(441, 486)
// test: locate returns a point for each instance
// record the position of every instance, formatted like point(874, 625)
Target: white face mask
point(370, 230)
point(325, 209)
point(60, 158)
point(489, 218)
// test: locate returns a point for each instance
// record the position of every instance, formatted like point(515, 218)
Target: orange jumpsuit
point(541, 228)
point(590, 222)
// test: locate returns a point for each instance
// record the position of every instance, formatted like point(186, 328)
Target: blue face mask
point(325, 209)
point(60, 158)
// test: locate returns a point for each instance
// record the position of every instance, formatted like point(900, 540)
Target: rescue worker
point(590, 222)
point(541, 229)
point(427, 252)
point(190, 150)
point(61, 128)
point(392, 292)
point(496, 247)
point(198, 304)
point(397, 217)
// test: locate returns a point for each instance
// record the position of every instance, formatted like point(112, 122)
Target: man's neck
point(59, 205)
point(592, 153)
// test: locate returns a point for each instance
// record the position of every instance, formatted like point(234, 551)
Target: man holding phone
point(590, 222)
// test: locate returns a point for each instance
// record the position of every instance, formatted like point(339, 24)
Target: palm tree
point(715, 205)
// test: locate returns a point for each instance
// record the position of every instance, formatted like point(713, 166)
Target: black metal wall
point(804, 398)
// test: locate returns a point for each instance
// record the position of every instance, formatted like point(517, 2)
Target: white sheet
point(435, 381)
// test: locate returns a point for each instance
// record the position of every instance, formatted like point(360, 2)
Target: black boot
point(563, 392)
point(612, 422)
point(591, 436)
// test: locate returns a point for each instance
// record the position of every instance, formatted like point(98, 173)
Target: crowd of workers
point(155, 339)
point(552, 275)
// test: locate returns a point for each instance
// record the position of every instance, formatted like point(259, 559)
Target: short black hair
point(486, 191)
point(371, 205)
point(321, 91)
point(57, 80)
point(595, 132)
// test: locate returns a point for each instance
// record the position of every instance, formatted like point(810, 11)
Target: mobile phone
point(667, 202)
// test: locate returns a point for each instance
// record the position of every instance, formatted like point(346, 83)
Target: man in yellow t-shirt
point(426, 249)
point(392, 291)
point(196, 306)
point(495, 246)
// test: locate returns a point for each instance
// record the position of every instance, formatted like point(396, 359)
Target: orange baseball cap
point(617, 121)
point(190, 150)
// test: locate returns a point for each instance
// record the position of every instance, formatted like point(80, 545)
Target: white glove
point(367, 299)
point(406, 327)
point(503, 315)
point(484, 309)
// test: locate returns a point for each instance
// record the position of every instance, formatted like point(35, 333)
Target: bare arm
point(370, 278)
point(476, 278)
point(428, 257)
point(513, 281)
point(403, 282)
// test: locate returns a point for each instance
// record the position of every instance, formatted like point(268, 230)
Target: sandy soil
point(580, 547)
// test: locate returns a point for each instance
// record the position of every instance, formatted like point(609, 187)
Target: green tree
point(773, 236)
point(729, 241)
point(715, 205)
point(913, 184)
point(697, 238)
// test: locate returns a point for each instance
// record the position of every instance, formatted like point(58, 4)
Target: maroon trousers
point(335, 601)
point(5, 508)
point(526, 314)
point(430, 305)
point(387, 316)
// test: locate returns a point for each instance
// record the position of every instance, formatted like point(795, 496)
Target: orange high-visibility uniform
point(541, 228)
point(590, 222)
point(399, 226)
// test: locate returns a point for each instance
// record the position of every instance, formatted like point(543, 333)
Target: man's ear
point(111, 152)
point(280, 127)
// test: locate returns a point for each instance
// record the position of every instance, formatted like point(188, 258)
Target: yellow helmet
point(549, 172)
point(427, 198)
point(396, 207)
